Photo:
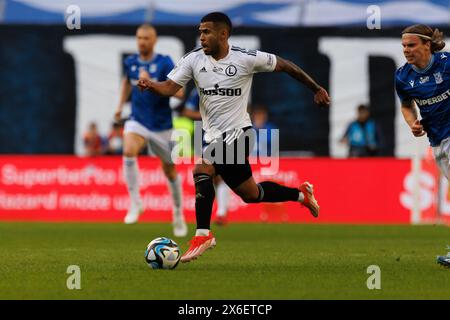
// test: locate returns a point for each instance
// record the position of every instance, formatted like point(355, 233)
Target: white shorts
point(159, 142)
point(442, 156)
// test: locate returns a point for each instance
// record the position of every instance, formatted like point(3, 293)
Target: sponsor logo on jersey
point(423, 80)
point(230, 70)
point(229, 92)
point(217, 69)
point(438, 77)
point(433, 100)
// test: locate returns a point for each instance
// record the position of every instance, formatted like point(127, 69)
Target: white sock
point(131, 173)
point(223, 195)
point(177, 197)
point(202, 232)
point(301, 196)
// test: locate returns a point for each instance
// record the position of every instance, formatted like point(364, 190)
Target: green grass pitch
point(251, 261)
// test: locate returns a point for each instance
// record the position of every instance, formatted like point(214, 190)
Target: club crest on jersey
point(133, 68)
point(411, 83)
point(153, 68)
point(230, 70)
point(423, 80)
point(438, 77)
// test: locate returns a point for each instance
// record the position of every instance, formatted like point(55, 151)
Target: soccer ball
point(162, 253)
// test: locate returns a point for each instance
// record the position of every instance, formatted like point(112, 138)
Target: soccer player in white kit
point(223, 75)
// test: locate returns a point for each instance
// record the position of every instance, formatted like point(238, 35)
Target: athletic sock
point(177, 197)
point(202, 232)
point(204, 198)
point(273, 192)
point(223, 196)
point(131, 174)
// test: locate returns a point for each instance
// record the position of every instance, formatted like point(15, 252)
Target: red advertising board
point(66, 188)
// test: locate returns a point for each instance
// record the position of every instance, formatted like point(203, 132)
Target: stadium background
point(55, 81)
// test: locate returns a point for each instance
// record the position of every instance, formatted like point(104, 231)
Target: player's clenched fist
point(322, 98)
point(144, 84)
point(417, 129)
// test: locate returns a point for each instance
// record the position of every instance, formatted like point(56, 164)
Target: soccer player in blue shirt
point(425, 81)
point(150, 122)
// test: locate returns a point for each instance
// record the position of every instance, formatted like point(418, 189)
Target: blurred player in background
point(223, 75)
point(425, 81)
point(150, 122)
point(191, 110)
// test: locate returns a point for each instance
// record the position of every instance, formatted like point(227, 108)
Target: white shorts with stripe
point(442, 156)
point(159, 142)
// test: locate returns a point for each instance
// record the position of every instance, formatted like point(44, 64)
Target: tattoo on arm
point(296, 72)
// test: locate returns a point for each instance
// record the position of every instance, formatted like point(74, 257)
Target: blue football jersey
point(430, 89)
point(151, 110)
point(193, 101)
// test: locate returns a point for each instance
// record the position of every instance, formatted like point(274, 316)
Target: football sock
point(223, 196)
point(202, 232)
point(177, 196)
point(273, 192)
point(131, 173)
point(204, 198)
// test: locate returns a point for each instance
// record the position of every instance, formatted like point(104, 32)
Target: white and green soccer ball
point(162, 253)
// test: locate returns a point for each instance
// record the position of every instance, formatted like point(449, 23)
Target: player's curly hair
point(425, 33)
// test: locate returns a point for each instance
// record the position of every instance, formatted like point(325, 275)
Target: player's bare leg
point(179, 225)
point(133, 144)
point(223, 197)
point(268, 191)
point(204, 198)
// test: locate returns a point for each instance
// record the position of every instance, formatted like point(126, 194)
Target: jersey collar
point(147, 61)
point(418, 70)
point(224, 58)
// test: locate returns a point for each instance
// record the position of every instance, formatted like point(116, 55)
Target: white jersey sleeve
point(182, 72)
point(263, 62)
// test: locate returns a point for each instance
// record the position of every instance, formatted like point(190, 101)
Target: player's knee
point(130, 152)
point(169, 170)
point(250, 197)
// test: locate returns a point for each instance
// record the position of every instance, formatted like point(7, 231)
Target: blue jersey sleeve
point(126, 67)
point(193, 101)
point(168, 66)
point(399, 87)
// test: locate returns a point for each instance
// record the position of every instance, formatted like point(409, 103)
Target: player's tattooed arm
point(320, 94)
point(166, 88)
point(409, 112)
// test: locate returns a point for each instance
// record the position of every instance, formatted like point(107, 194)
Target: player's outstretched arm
point(409, 112)
point(166, 88)
point(320, 94)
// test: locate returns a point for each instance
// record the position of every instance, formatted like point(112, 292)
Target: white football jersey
point(223, 86)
